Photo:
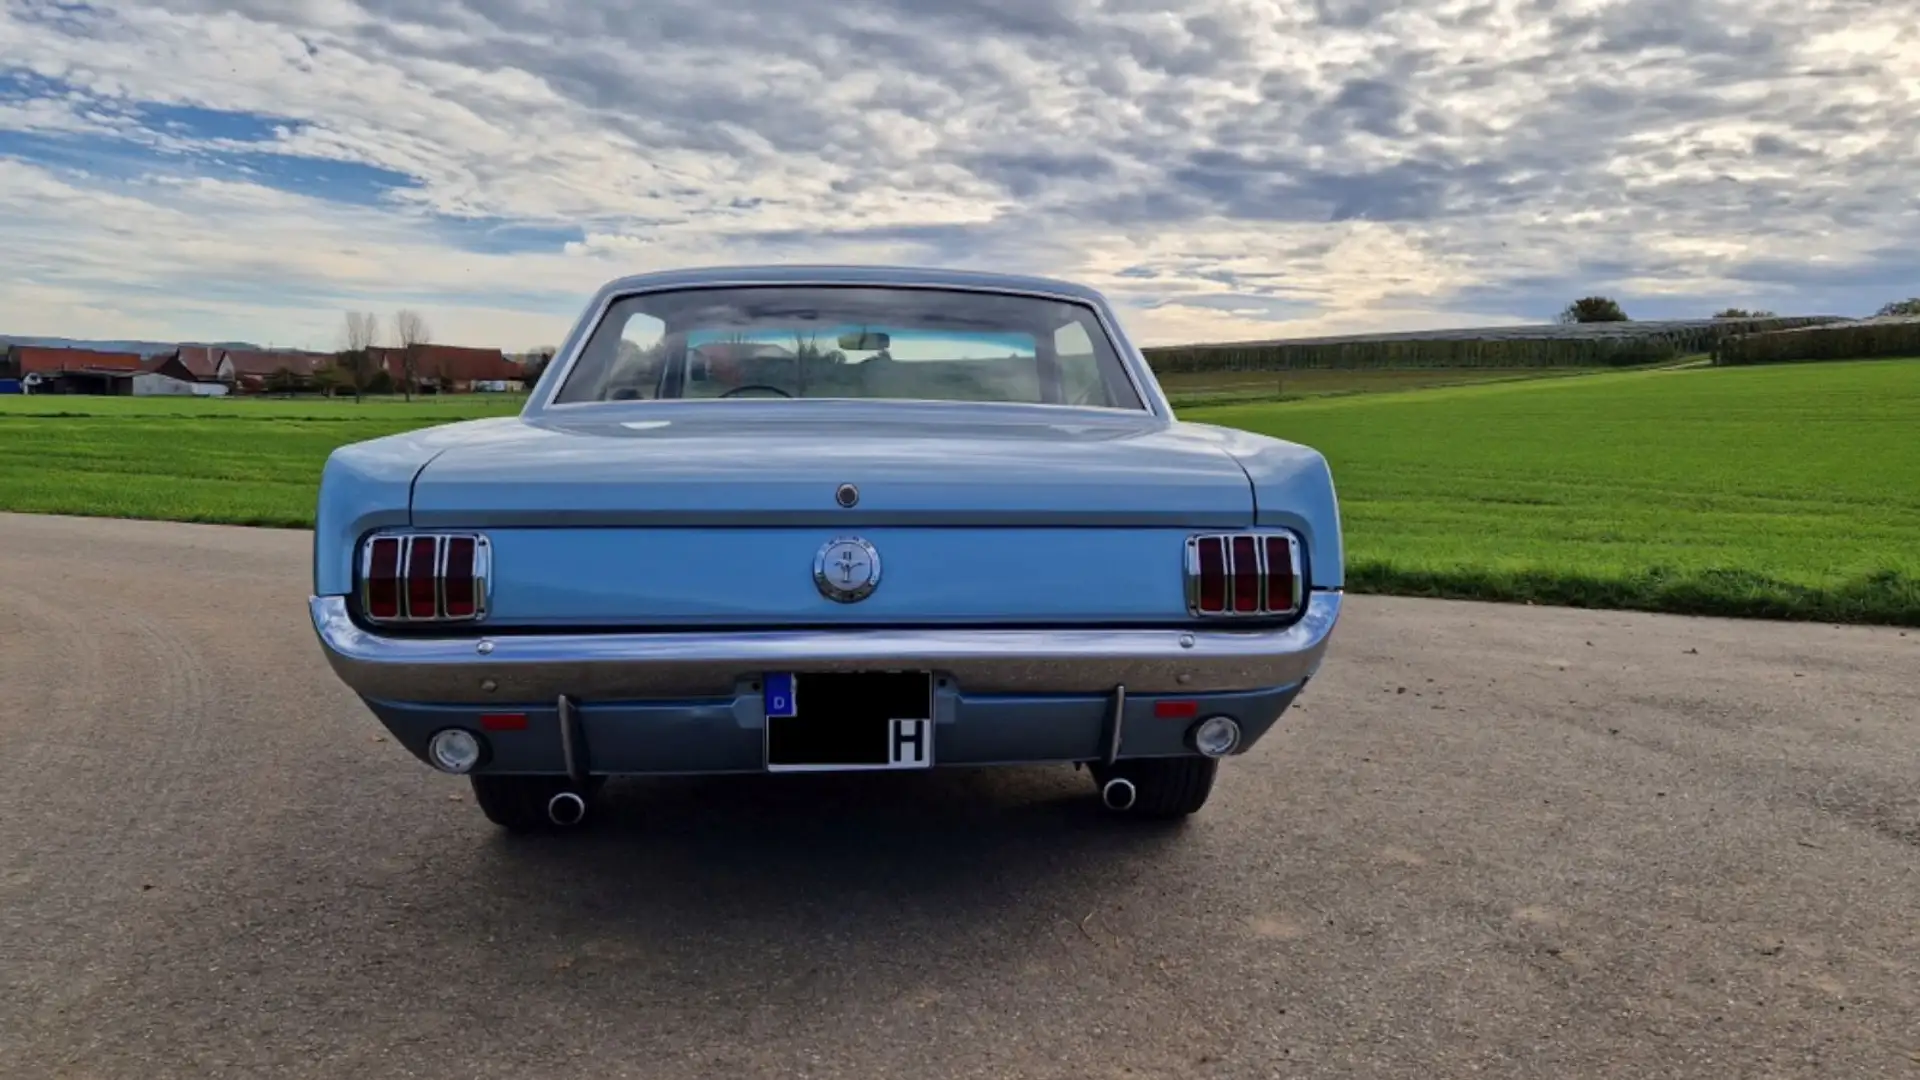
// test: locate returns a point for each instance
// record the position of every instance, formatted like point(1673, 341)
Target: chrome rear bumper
point(483, 668)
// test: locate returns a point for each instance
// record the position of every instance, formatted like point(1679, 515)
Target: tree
point(1743, 313)
point(1593, 309)
point(410, 329)
point(535, 365)
point(1910, 307)
point(331, 378)
point(363, 328)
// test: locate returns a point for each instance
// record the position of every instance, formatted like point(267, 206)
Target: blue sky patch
point(194, 122)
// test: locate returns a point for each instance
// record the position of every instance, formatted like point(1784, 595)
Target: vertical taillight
point(425, 577)
point(1209, 575)
point(382, 578)
point(1243, 574)
point(458, 584)
point(1246, 576)
point(1283, 574)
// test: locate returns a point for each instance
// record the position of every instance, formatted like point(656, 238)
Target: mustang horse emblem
point(846, 569)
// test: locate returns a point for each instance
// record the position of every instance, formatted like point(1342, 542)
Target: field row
point(1789, 491)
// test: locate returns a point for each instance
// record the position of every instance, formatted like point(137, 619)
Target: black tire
point(519, 803)
point(1164, 788)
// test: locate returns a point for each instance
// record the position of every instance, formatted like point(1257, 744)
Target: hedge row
point(1582, 345)
point(1846, 341)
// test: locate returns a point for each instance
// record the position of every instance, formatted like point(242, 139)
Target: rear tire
point(518, 804)
point(1164, 788)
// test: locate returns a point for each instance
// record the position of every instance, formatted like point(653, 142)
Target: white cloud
point(1227, 168)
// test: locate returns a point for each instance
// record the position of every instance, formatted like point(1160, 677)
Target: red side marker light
point(504, 721)
point(1176, 709)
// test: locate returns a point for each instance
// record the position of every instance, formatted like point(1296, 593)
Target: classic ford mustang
point(828, 518)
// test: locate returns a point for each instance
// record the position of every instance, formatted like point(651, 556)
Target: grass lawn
point(244, 461)
point(1790, 491)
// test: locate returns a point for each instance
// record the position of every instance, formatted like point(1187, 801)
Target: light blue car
point(785, 519)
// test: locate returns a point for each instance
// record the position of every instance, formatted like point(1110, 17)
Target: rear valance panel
point(747, 577)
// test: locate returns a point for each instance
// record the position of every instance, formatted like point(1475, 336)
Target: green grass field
point(245, 461)
point(1784, 491)
point(1789, 491)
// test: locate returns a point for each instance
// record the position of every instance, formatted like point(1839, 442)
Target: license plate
point(825, 721)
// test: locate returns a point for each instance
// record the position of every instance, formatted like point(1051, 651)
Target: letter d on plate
point(780, 698)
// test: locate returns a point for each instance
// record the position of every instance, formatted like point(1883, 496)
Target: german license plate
point(826, 721)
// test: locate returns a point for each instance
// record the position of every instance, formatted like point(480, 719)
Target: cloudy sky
point(249, 169)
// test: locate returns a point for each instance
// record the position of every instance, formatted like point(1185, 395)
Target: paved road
point(1492, 840)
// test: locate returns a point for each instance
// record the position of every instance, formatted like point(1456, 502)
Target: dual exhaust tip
point(566, 809)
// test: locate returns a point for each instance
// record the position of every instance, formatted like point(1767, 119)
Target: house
point(164, 374)
point(43, 370)
point(449, 368)
point(192, 363)
point(253, 371)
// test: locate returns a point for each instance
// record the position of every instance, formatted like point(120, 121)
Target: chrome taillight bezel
point(442, 543)
point(1264, 542)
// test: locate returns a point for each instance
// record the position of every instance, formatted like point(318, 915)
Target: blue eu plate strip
point(781, 699)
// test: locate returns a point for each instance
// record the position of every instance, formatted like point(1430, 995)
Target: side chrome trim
point(527, 668)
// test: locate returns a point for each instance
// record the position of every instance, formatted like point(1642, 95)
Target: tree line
point(1600, 309)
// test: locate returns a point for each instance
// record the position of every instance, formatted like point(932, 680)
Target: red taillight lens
point(1213, 574)
point(1282, 584)
point(1244, 574)
point(383, 578)
point(423, 584)
point(425, 578)
point(457, 586)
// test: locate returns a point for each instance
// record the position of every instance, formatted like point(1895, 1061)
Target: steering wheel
point(755, 386)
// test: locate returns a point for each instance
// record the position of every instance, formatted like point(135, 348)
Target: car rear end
point(658, 585)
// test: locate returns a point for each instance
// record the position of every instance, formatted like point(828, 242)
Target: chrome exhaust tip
point(566, 808)
point(1118, 794)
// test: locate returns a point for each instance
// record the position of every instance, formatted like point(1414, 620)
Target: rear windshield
point(849, 342)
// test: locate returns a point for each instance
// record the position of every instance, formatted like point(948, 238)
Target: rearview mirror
point(864, 341)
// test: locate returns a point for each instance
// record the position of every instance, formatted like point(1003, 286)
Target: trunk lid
point(752, 463)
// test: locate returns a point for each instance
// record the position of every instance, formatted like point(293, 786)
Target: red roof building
point(250, 369)
point(24, 360)
point(200, 362)
point(448, 367)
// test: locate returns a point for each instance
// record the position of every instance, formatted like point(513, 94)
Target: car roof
point(852, 274)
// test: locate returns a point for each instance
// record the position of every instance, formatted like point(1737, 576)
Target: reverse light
point(1236, 575)
point(1216, 736)
point(454, 750)
point(425, 577)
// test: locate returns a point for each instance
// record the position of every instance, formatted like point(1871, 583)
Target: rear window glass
point(850, 342)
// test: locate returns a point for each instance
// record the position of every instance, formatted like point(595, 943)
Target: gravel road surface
point(1498, 841)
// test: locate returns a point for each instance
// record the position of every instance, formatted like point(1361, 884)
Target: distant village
point(215, 371)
